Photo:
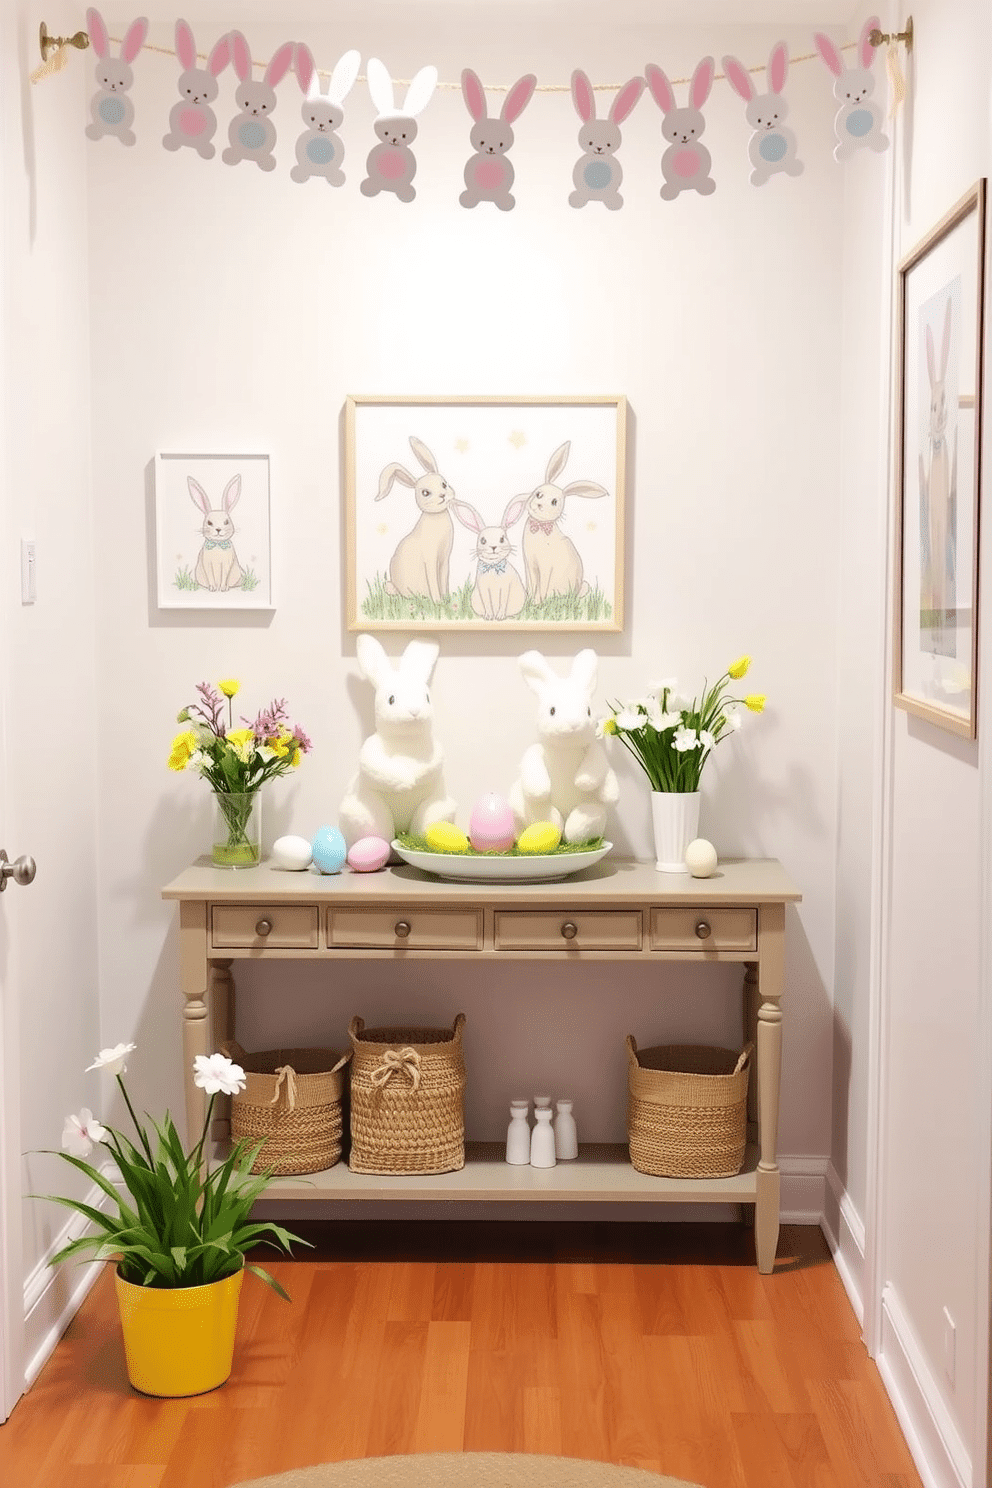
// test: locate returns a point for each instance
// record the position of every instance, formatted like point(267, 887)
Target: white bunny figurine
point(217, 567)
point(391, 165)
point(320, 149)
point(858, 123)
point(399, 786)
point(112, 110)
point(566, 777)
point(252, 134)
point(597, 175)
point(772, 147)
point(551, 559)
point(192, 121)
point(499, 592)
point(421, 561)
point(488, 173)
point(685, 165)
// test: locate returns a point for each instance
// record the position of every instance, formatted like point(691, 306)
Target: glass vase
point(237, 829)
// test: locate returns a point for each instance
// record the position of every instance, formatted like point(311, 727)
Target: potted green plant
point(178, 1228)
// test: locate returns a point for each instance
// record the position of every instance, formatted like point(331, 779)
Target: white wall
point(48, 930)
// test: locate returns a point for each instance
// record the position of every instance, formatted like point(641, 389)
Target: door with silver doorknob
point(22, 870)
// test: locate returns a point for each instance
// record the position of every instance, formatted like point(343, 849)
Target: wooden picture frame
point(202, 561)
point(940, 330)
point(447, 528)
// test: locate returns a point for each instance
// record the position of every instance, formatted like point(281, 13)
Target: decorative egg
point(329, 850)
point(444, 836)
point(294, 853)
point(539, 837)
point(369, 854)
point(700, 858)
point(491, 825)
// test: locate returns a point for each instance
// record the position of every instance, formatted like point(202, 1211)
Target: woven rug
point(466, 1470)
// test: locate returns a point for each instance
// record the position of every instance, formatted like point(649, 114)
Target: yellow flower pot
point(179, 1340)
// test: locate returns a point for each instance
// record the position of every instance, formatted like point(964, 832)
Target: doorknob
point(21, 870)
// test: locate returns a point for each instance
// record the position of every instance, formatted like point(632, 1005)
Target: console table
point(616, 910)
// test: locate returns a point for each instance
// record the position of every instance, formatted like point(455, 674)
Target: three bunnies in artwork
point(217, 566)
point(112, 110)
point(421, 560)
point(685, 165)
point(772, 147)
point(251, 133)
point(598, 173)
point(565, 777)
point(399, 784)
point(192, 121)
point(320, 149)
point(391, 165)
point(858, 123)
point(488, 173)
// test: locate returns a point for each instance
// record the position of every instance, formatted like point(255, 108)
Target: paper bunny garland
point(112, 110)
point(391, 165)
point(685, 165)
point(488, 173)
point(858, 124)
point(772, 147)
point(320, 149)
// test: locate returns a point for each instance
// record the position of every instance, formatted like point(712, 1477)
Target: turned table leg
point(771, 961)
point(193, 982)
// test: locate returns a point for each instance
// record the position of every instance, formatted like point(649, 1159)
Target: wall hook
point(50, 44)
point(877, 37)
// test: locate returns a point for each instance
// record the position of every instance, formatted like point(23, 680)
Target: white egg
point(293, 853)
point(700, 858)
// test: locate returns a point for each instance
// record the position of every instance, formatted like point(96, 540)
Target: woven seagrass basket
point(687, 1110)
point(293, 1104)
point(407, 1099)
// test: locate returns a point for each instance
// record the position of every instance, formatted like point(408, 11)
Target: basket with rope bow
point(407, 1099)
point(292, 1103)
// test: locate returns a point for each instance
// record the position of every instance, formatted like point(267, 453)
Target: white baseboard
point(54, 1294)
point(845, 1234)
point(804, 1187)
point(941, 1457)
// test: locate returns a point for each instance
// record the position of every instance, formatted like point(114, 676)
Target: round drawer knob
point(703, 930)
point(263, 927)
point(402, 929)
point(569, 930)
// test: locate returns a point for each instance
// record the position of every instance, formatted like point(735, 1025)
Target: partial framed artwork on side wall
point(485, 513)
point(213, 532)
point(939, 439)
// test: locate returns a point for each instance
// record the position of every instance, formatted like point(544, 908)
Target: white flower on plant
point(601, 723)
point(707, 740)
point(218, 1075)
point(112, 1060)
point(733, 719)
point(667, 684)
point(685, 739)
point(652, 708)
point(669, 721)
point(678, 702)
point(81, 1132)
point(630, 718)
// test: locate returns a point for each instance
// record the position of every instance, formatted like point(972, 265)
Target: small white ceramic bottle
point(566, 1137)
point(542, 1140)
point(518, 1134)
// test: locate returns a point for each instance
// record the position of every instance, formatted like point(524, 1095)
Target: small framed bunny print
point(485, 513)
point(938, 464)
point(213, 532)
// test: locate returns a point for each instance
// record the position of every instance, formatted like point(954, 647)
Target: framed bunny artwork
point(213, 548)
point(485, 513)
point(938, 469)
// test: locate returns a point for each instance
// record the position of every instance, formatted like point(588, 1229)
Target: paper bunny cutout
point(192, 121)
point(320, 149)
point(597, 175)
point(858, 123)
point(685, 165)
point(391, 165)
point(112, 110)
point(488, 173)
point(772, 147)
point(252, 134)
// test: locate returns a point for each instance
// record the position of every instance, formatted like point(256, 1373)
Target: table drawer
point(404, 928)
point(583, 930)
point(267, 926)
point(702, 930)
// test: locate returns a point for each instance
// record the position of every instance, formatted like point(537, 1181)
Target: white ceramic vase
point(675, 817)
point(518, 1134)
point(566, 1136)
point(542, 1140)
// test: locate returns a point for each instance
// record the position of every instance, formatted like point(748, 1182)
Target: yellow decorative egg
point(444, 836)
point(539, 837)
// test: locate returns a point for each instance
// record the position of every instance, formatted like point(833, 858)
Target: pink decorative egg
point(491, 827)
point(368, 854)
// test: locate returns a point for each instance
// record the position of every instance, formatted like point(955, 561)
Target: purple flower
point(303, 740)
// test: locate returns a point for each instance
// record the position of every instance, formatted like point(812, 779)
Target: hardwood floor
point(658, 1346)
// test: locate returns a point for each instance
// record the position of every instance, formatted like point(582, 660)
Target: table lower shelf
point(602, 1173)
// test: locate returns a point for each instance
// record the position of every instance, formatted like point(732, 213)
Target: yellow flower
point(609, 725)
point(297, 756)
point(756, 702)
point(182, 747)
point(280, 745)
point(239, 737)
point(738, 669)
point(229, 687)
